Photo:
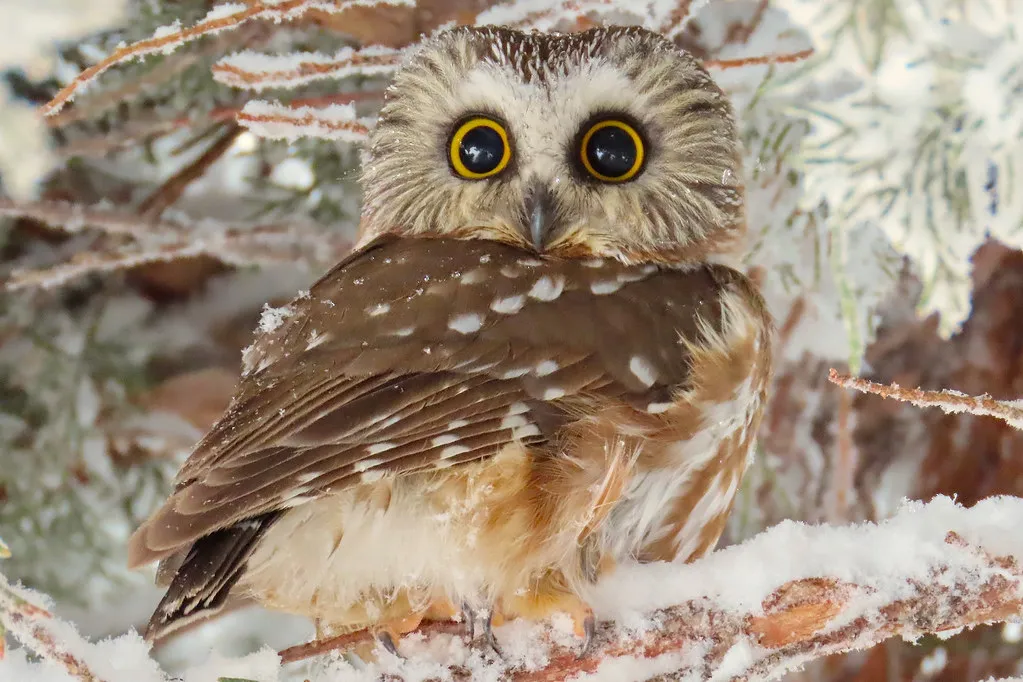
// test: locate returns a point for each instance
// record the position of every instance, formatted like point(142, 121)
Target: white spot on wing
point(508, 305)
point(518, 408)
point(453, 451)
point(377, 448)
point(444, 439)
point(514, 373)
point(525, 431)
point(404, 331)
point(364, 464)
point(474, 276)
point(546, 367)
point(547, 288)
point(657, 408)
point(466, 323)
point(553, 393)
point(643, 370)
point(315, 339)
point(378, 309)
point(606, 287)
point(457, 424)
point(513, 422)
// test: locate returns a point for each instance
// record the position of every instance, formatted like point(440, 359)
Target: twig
point(214, 22)
point(797, 612)
point(519, 16)
point(741, 32)
point(677, 20)
point(844, 468)
point(172, 189)
point(33, 625)
point(764, 59)
point(319, 647)
point(332, 122)
point(75, 217)
point(281, 71)
point(170, 238)
point(171, 67)
point(952, 402)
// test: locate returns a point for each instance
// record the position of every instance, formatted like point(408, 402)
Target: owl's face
point(612, 142)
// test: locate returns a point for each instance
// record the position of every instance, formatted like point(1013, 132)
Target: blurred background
point(145, 225)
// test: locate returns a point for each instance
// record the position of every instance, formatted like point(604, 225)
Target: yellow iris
point(479, 148)
point(609, 156)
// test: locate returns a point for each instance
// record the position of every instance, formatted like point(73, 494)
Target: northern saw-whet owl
point(536, 362)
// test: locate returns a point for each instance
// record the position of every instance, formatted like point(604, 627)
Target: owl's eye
point(611, 151)
point(479, 149)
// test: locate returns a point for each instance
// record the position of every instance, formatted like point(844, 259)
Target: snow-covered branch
point(952, 402)
point(223, 17)
point(142, 239)
point(751, 612)
point(256, 71)
point(332, 122)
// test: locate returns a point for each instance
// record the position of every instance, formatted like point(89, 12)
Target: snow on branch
point(952, 402)
point(750, 612)
point(755, 611)
point(146, 240)
point(31, 624)
point(256, 71)
point(280, 121)
point(222, 17)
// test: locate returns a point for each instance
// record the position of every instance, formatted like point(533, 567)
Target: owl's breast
point(685, 479)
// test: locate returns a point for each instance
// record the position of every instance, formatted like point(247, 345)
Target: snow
point(882, 156)
point(277, 121)
point(884, 561)
point(257, 71)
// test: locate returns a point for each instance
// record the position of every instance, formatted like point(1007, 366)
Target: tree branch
point(747, 613)
point(952, 402)
point(750, 613)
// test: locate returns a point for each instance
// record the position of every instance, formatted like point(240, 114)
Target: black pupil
point(611, 152)
point(481, 149)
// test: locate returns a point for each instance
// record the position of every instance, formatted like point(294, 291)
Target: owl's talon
point(469, 620)
point(589, 632)
point(386, 640)
point(486, 639)
point(488, 635)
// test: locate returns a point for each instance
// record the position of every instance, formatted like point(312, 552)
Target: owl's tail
point(201, 582)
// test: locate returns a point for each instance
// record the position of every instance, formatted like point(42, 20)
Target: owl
point(536, 363)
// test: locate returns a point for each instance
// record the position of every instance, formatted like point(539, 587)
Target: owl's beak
point(540, 212)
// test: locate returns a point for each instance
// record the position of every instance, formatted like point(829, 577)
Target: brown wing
point(416, 354)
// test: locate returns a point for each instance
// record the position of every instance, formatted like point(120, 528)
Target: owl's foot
point(548, 597)
point(389, 633)
point(490, 619)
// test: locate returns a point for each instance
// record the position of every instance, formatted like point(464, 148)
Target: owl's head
point(612, 142)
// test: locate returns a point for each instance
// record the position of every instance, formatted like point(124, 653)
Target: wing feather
point(420, 354)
